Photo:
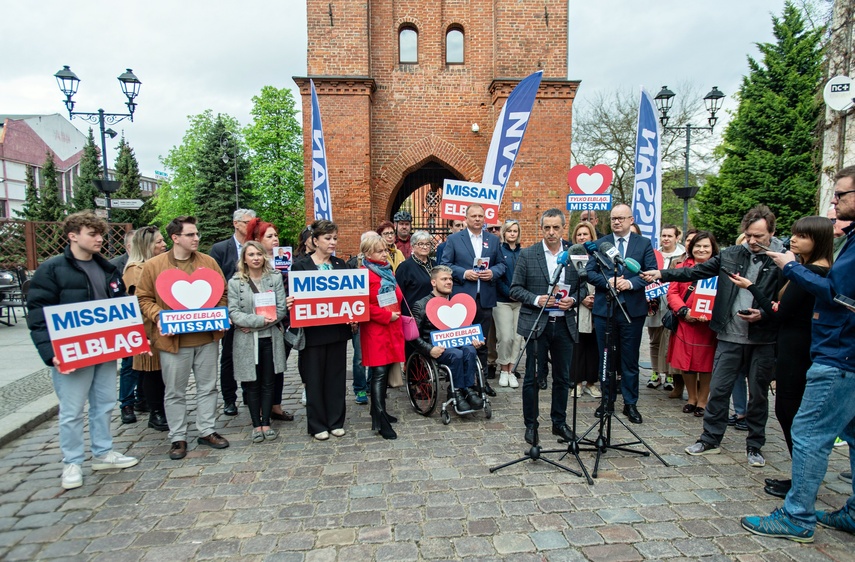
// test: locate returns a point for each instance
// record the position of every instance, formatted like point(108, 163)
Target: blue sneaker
point(777, 524)
point(840, 520)
point(361, 397)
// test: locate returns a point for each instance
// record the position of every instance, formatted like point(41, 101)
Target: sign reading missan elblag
point(327, 297)
point(93, 332)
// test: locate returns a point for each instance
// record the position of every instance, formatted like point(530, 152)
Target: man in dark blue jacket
point(79, 274)
point(828, 405)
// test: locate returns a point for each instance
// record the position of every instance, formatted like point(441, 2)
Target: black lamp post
point(68, 83)
point(224, 142)
point(664, 100)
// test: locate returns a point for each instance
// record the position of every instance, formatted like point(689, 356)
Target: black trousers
point(228, 385)
point(324, 368)
point(259, 393)
point(153, 388)
point(555, 338)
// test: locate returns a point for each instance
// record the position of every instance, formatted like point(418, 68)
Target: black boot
point(156, 420)
point(379, 419)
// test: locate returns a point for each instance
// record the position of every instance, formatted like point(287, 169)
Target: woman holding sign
point(323, 362)
point(382, 337)
point(256, 305)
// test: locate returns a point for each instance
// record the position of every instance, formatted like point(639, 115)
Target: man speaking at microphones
point(539, 268)
point(626, 250)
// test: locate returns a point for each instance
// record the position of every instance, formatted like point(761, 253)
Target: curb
point(27, 418)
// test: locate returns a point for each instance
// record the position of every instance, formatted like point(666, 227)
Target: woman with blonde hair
point(586, 356)
point(507, 311)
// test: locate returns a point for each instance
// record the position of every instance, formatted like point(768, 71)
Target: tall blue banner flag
point(509, 131)
point(647, 194)
point(320, 178)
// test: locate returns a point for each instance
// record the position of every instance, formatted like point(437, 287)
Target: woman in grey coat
point(259, 349)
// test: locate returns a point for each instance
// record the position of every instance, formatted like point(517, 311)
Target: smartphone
point(845, 301)
point(729, 272)
point(744, 312)
point(767, 248)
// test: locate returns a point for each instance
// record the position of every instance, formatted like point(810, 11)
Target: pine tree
point(770, 150)
point(31, 199)
point(128, 174)
point(85, 191)
point(50, 206)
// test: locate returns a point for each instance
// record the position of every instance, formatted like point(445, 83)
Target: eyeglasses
point(620, 219)
point(494, 228)
point(389, 233)
point(422, 245)
point(840, 194)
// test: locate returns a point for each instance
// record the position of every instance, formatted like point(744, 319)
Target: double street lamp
point(712, 101)
point(68, 83)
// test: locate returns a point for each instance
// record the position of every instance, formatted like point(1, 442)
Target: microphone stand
point(609, 378)
point(534, 452)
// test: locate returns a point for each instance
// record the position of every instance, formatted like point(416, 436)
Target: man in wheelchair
point(461, 361)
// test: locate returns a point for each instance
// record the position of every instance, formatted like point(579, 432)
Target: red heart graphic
point(590, 181)
point(449, 314)
point(181, 291)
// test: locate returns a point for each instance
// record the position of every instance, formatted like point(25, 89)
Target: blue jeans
point(127, 382)
point(461, 363)
point(740, 396)
point(96, 383)
point(360, 383)
point(827, 411)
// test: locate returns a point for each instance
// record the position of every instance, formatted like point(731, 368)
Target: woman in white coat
point(259, 349)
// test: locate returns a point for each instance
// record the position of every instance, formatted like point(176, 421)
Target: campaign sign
point(93, 332)
point(655, 290)
point(457, 337)
point(589, 202)
point(451, 313)
point(705, 298)
point(328, 297)
point(192, 321)
point(457, 195)
point(282, 258)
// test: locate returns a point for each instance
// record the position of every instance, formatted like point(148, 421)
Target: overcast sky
point(193, 55)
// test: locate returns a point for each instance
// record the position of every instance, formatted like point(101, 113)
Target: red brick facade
point(383, 120)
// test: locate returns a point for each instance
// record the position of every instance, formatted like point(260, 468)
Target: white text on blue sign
point(457, 337)
point(195, 320)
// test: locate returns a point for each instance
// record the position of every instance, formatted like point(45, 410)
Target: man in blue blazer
point(461, 251)
point(630, 288)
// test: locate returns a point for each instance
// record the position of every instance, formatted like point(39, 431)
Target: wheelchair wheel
point(446, 417)
point(422, 384)
point(488, 411)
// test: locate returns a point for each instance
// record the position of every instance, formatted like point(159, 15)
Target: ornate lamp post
point(68, 83)
point(664, 100)
point(224, 142)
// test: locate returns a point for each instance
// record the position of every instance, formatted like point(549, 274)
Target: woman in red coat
point(382, 336)
point(692, 347)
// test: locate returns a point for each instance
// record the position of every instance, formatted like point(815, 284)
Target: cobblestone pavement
point(428, 495)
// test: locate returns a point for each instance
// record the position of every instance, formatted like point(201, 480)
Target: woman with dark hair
point(305, 247)
point(323, 362)
point(386, 230)
point(147, 243)
point(691, 348)
point(586, 355)
point(382, 337)
point(812, 241)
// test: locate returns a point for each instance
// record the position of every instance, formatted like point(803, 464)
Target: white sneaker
point(593, 390)
point(512, 380)
point(303, 399)
point(113, 460)
point(580, 389)
point(503, 378)
point(72, 476)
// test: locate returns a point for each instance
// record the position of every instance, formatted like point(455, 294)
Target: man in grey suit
point(556, 329)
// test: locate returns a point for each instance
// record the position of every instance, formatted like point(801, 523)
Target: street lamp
point(224, 142)
point(712, 101)
point(68, 83)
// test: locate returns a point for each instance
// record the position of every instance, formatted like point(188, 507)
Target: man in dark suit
point(226, 253)
point(462, 250)
point(630, 289)
point(556, 330)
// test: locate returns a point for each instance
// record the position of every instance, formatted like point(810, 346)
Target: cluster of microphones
point(606, 254)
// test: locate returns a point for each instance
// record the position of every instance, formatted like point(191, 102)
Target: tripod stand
point(609, 379)
point(535, 452)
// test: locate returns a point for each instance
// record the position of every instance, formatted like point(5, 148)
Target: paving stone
point(218, 549)
point(436, 549)
point(619, 515)
point(511, 543)
point(397, 552)
point(612, 553)
point(38, 520)
point(618, 534)
point(473, 547)
point(336, 537)
point(548, 540)
point(657, 550)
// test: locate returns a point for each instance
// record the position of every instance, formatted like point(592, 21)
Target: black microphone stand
point(534, 452)
point(609, 378)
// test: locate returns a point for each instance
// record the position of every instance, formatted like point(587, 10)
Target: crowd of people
point(776, 317)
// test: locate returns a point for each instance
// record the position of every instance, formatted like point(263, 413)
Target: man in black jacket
point(79, 274)
point(226, 253)
point(746, 341)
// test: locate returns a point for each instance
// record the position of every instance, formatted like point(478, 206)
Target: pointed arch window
point(454, 46)
point(408, 45)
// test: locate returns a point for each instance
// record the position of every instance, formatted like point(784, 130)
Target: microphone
point(577, 250)
point(613, 254)
point(562, 257)
point(593, 250)
point(562, 262)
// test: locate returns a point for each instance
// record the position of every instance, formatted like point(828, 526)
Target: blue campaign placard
point(655, 290)
point(457, 337)
point(193, 321)
point(577, 202)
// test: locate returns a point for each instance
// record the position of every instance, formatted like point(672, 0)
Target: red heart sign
point(447, 314)
point(590, 181)
point(181, 291)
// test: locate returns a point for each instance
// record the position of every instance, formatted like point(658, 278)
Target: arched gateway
point(410, 92)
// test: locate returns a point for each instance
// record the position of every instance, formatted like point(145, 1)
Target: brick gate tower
point(409, 93)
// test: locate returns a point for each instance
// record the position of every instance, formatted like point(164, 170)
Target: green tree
point(177, 195)
point(214, 194)
point(31, 198)
point(128, 174)
point(85, 191)
point(770, 148)
point(275, 142)
point(50, 206)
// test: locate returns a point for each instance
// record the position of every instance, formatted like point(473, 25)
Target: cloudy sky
point(193, 55)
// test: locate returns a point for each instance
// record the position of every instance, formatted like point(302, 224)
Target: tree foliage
point(129, 176)
point(31, 197)
point(275, 142)
point(770, 148)
point(85, 191)
point(45, 203)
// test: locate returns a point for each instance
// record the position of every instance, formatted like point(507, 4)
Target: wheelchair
point(423, 377)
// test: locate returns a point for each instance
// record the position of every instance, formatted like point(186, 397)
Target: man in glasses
point(630, 290)
point(839, 227)
point(453, 226)
point(181, 353)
